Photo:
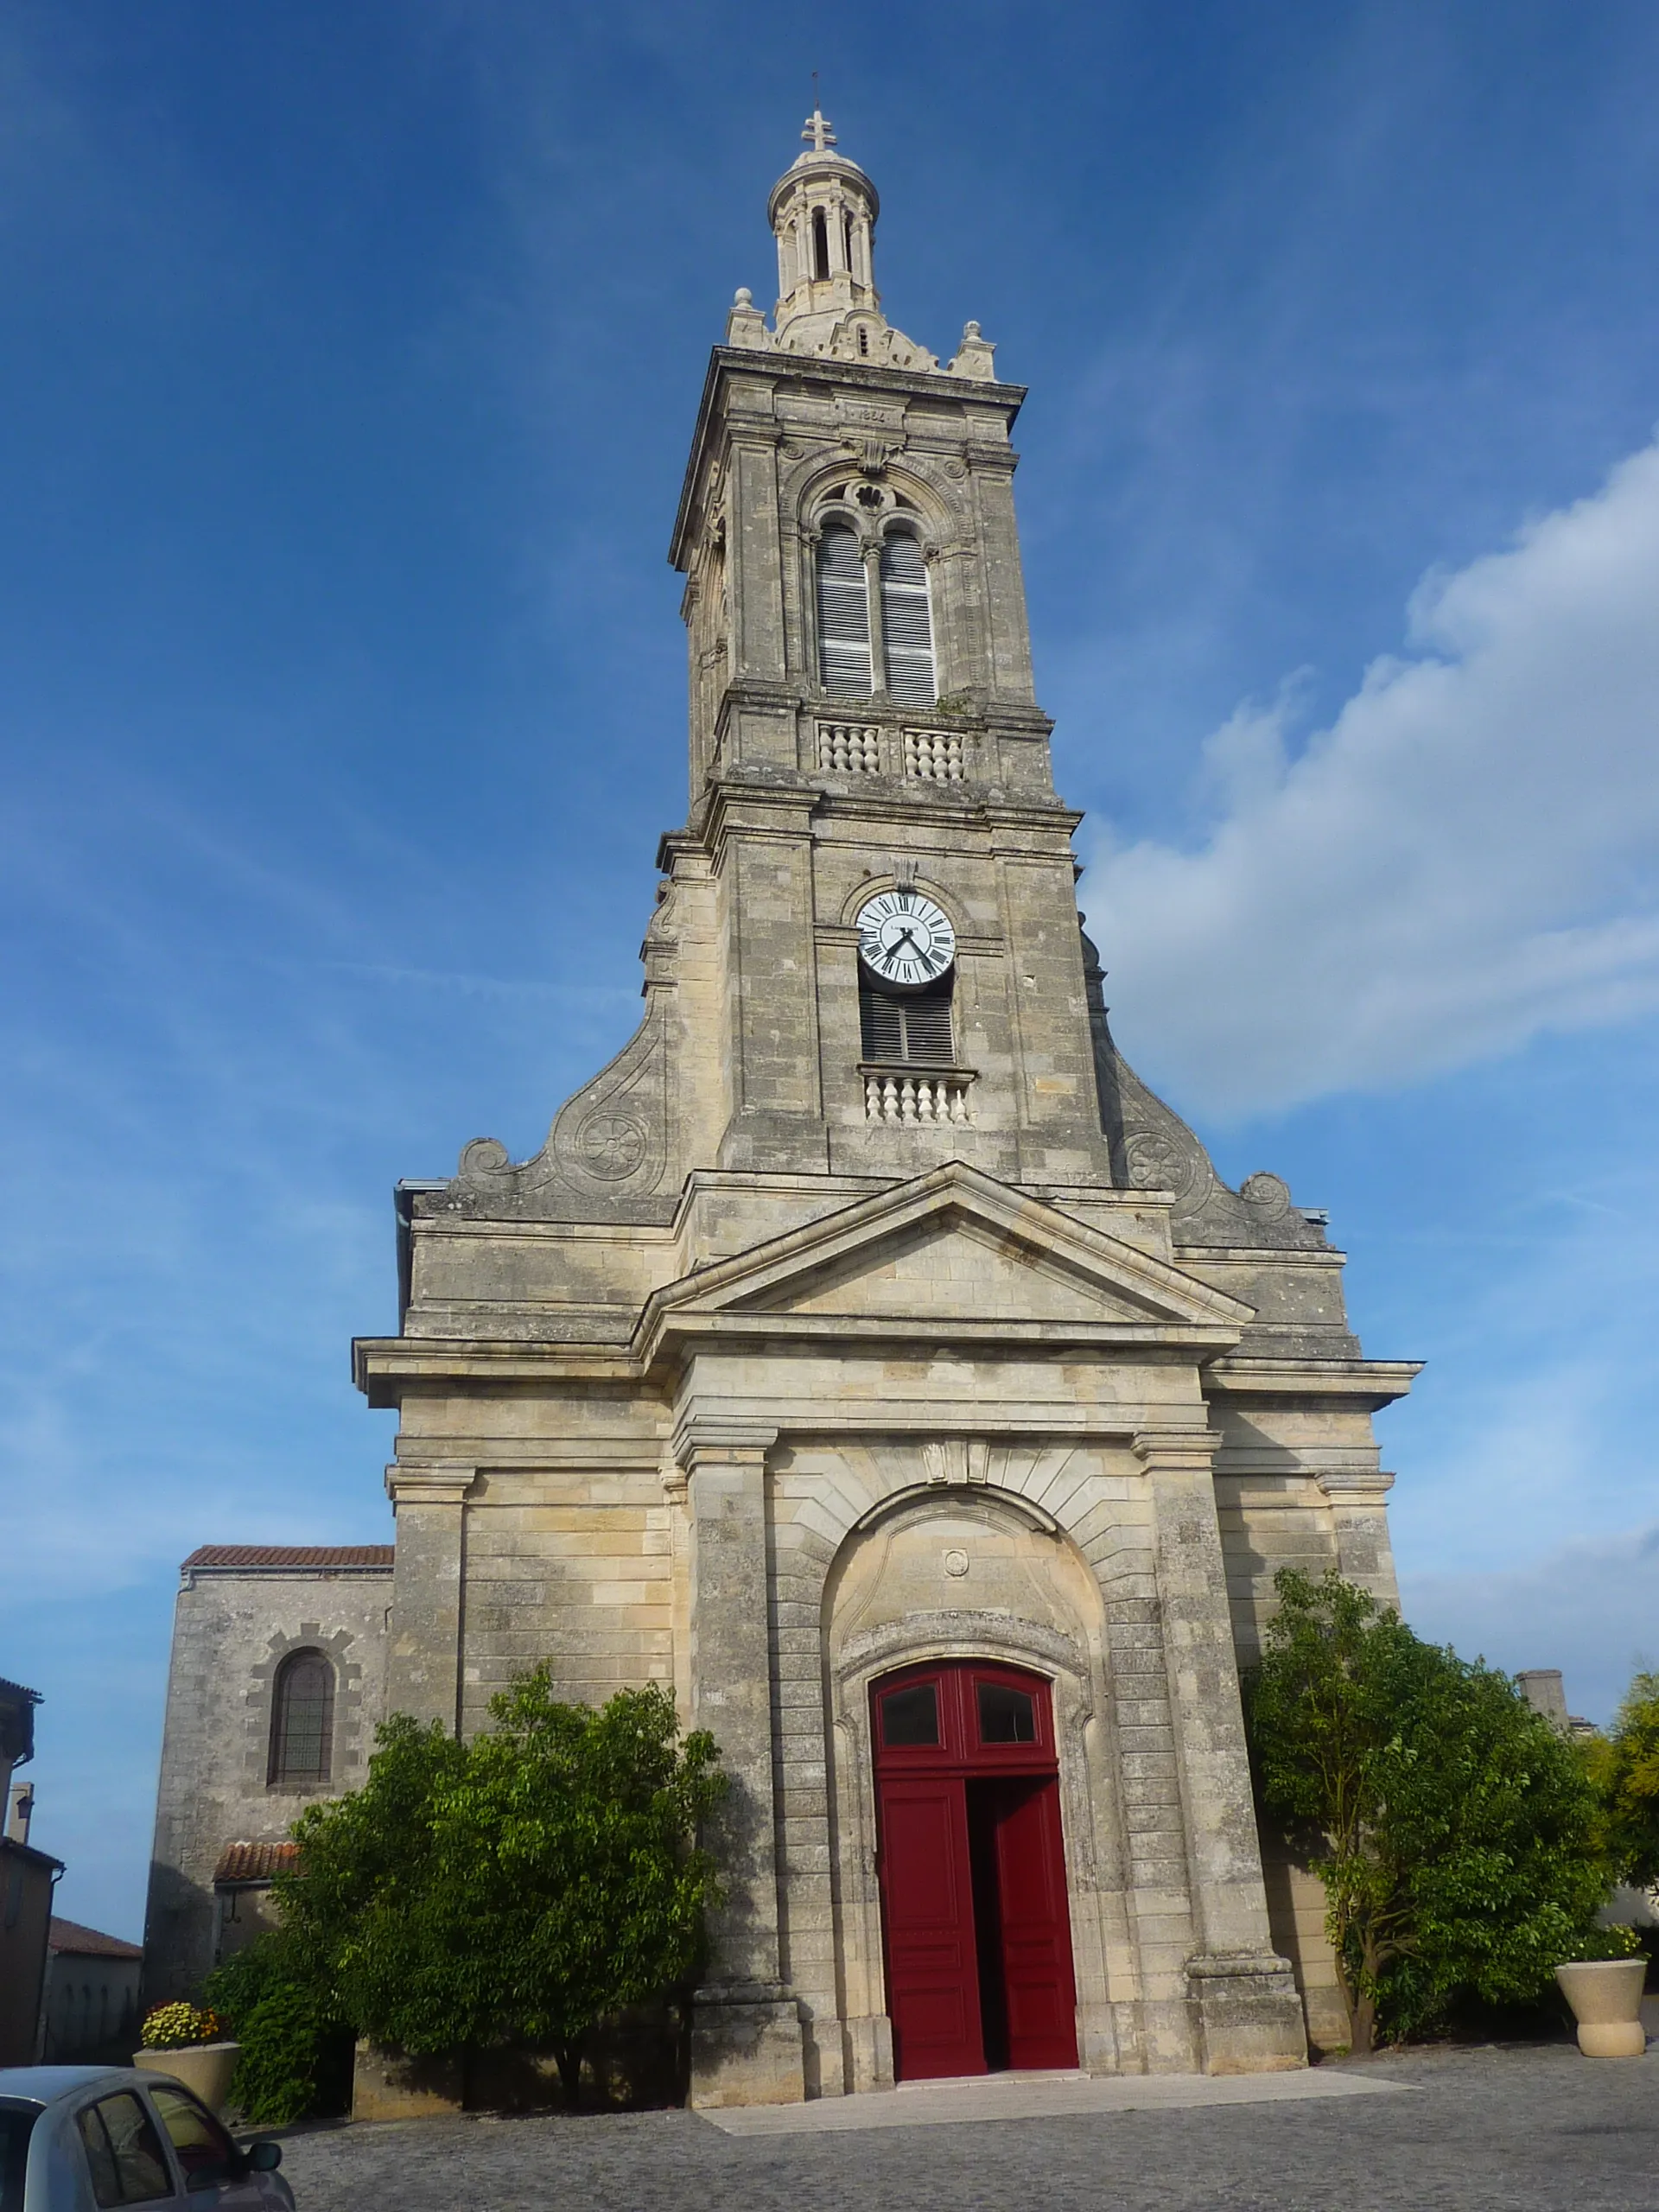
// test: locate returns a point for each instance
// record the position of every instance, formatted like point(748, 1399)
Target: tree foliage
point(514, 1889)
point(1454, 1829)
point(1624, 1764)
point(295, 2042)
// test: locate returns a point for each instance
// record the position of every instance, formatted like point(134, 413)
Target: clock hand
point(905, 937)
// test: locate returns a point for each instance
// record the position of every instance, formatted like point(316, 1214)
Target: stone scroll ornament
point(607, 1150)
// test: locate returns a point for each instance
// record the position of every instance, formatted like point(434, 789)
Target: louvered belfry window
point(906, 1028)
point(843, 615)
point(906, 621)
point(303, 1722)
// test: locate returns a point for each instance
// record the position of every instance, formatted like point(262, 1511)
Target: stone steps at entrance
point(967, 2101)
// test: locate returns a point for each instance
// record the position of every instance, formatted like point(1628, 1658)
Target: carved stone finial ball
point(744, 297)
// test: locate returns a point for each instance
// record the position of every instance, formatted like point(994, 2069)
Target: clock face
point(904, 937)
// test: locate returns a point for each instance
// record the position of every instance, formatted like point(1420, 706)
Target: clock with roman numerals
point(904, 937)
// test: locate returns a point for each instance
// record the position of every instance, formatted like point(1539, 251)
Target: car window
point(16, 2122)
point(124, 2150)
point(202, 2145)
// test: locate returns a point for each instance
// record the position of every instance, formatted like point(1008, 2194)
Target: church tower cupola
point(822, 211)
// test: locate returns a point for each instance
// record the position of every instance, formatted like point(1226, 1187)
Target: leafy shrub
point(516, 1888)
point(1624, 1764)
point(1456, 1832)
point(512, 1892)
point(291, 2030)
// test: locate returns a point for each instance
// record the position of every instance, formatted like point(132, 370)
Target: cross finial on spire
point(818, 130)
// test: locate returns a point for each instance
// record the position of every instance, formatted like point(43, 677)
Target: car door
point(215, 2170)
point(122, 2147)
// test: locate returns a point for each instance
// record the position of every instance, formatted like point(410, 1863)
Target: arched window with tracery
point(303, 1722)
point(906, 621)
point(843, 614)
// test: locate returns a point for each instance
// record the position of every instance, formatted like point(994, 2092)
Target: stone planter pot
point(1605, 1995)
point(207, 2068)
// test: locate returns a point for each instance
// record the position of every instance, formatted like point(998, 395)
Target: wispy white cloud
point(1590, 1607)
point(1467, 856)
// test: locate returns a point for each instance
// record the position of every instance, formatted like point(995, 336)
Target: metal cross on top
point(819, 131)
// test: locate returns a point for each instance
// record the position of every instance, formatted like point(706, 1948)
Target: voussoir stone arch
point(349, 1754)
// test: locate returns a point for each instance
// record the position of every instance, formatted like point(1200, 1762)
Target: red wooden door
point(1039, 1995)
point(927, 1892)
point(968, 1806)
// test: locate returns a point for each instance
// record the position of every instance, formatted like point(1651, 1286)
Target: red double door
point(973, 1872)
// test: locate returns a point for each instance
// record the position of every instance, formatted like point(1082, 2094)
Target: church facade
point(867, 1354)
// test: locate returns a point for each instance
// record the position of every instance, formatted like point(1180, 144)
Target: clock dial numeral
point(904, 937)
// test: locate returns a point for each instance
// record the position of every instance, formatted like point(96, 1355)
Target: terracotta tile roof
point(291, 1555)
point(256, 1862)
point(90, 1942)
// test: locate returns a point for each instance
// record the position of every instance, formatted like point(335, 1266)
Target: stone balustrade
point(914, 1094)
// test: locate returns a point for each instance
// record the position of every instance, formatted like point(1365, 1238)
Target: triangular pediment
point(955, 1249)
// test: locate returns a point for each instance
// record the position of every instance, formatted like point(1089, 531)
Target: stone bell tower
point(863, 717)
point(866, 1331)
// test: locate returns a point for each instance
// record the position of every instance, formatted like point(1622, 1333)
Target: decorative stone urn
point(207, 2068)
point(1605, 1995)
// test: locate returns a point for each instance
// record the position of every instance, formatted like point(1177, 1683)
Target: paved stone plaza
point(1512, 2130)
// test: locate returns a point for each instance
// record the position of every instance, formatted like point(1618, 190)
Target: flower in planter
point(176, 2026)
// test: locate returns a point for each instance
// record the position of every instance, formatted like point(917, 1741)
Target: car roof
point(44, 2085)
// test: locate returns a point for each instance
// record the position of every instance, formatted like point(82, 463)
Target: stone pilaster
point(1249, 2018)
point(423, 1648)
point(1359, 1518)
point(746, 2029)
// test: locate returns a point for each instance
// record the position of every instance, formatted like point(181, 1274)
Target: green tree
point(1454, 1830)
point(295, 2042)
point(1625, 1765)
point(515, 1889)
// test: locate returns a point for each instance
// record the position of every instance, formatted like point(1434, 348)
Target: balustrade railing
point(916, 1095)
point(850, 748)
point(933, 754)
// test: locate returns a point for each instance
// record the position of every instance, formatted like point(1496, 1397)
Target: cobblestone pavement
point(1532, 2129)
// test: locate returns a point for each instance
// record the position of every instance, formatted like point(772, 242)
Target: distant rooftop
point(17, 1722)
point(256, 1862)
point(68, 1936)
point(291, 1556)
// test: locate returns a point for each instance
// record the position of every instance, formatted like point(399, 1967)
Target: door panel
point(1041, 2004)
point(927, 1902)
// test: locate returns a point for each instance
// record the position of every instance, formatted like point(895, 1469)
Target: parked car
point(78, 2138)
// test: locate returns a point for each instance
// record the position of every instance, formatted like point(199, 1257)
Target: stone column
point(746, 2028)
point(423, 1678)
point(1249, 2018)
point(1359, 1515)
point(423, 1648)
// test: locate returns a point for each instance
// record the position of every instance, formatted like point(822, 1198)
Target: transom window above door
point(964, 1711)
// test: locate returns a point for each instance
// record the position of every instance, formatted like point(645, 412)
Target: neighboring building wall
point(241, 1611)
point(26, 1880)
point(91, 2007)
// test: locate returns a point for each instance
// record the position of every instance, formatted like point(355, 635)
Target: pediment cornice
point(914, 1261)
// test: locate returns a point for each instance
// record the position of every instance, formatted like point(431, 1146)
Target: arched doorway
point(975, 1925)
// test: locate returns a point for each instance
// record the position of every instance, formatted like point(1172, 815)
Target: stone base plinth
point(387, 2085)
point(746, 2046)
point(1249, 2015)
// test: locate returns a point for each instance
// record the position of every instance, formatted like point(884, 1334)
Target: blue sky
point(351, 355)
